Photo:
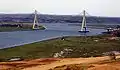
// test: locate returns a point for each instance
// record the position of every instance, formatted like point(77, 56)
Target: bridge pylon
point(35, 24)
point(83, 26)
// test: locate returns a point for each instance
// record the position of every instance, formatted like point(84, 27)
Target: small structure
point(96, 40)
point(15, 59)
point(83, 28)
point(109, 29)
point(113, 31)
point(63, 53)
point(112, 56)
point(63, 38)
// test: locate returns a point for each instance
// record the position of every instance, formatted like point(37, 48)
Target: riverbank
point(70, 47)
point(9, 27)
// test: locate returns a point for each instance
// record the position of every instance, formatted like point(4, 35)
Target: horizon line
point(55, 14)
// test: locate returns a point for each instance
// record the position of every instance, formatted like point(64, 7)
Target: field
point(68, 53)
point(71, 47)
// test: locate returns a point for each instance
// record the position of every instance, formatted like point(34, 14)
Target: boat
point(83, 27)
point(109, 31)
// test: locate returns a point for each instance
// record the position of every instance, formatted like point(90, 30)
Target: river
point(10, 39)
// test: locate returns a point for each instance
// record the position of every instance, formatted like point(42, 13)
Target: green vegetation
point(42, 28)
point(6, 29)
point(79, 46)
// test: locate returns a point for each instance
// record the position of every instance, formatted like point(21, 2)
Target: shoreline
point(10, 27)
point(47, 39)
point(86, 47)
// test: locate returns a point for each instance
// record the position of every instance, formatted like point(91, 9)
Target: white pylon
point(83, 22)
point(35, 24)
point(83, 27)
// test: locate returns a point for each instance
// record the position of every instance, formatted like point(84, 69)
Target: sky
point(62, 7)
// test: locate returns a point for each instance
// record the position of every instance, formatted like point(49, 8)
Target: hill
point(45, 18)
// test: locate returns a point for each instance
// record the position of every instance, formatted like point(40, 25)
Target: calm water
point(10, 39)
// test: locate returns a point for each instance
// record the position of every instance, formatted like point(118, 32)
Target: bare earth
point(50, 63)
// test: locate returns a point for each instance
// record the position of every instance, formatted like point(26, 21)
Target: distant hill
point(44, 18)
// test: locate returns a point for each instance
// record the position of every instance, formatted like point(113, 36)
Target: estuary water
point(53, 30)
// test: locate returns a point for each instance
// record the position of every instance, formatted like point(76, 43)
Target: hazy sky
point(93, 7)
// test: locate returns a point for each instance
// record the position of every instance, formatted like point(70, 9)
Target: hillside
point(68, 54)
point(71, 47)
point(45, 18)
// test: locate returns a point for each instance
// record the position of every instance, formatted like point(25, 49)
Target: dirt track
point(45, 64)
point(66, 62)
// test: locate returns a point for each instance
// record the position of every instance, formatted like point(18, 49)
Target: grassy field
point(71, 46)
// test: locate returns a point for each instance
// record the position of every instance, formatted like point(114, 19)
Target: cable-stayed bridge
point(45, 18)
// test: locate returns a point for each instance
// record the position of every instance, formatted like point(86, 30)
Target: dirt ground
point(52, 63)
